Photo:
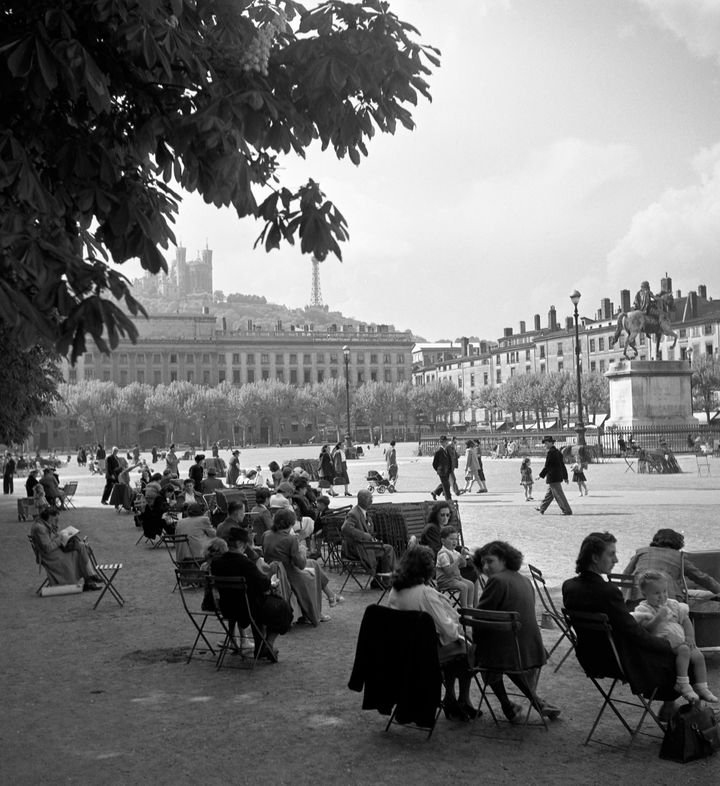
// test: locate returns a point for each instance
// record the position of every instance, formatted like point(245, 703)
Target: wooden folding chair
point(551, 609)
point(596, 631)
point(106, 572)
point(41, 567)
point(69, 491)
point(497, 651)
point(200, 618)
point(237, 587)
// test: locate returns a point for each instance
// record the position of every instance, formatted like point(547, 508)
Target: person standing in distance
point(555, 473)
point(442, 464)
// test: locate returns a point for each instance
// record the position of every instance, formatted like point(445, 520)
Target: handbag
point(277, 614)
point(692, 733)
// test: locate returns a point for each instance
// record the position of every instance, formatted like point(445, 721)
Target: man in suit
point(112, 470)
point(648, 659)
point(442, 464)
point(554, 473)
point(380, 557)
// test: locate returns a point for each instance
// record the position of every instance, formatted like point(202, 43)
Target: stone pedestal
point(650, 393)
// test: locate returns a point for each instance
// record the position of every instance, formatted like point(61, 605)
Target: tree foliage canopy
point(107, 104)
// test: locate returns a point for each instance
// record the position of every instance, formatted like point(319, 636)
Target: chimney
point(625, 301)
point(666, 284)
point(250, 325)
point(507, 332)
point(464, 347)
point(279, 326)
point(702, 291)
point(691, 306)
point(536, 320)
point(552, 318)
point(483, 348)
point(678, 294)
point(569, 323)
point(522, 327)
point(224, 325)
point(606, 308)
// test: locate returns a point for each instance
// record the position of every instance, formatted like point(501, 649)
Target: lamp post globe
point(580, 425)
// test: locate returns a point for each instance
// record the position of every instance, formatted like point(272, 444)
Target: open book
point(66, 534)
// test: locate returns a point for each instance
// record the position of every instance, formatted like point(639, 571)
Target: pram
point(376, 482)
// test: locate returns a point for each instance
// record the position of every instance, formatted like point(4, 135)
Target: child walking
point(666, 617)
point(447, 568)
point(526, 478)
point(579, 477)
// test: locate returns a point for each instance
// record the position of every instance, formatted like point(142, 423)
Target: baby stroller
point(376, 482)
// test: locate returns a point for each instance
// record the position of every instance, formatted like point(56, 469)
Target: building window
point(293, 376)
point(89, 374)
point(373, 359)
point(221, 375)
point(250, 358)
point(360, 377)
point(387, 375)
point(236, 358)
point(72, 375)
point(542, 368)
point(293, 358)
point(683, 332)
point(264, 358)
point(542, 352)
point(320, 358)
point(709, 350)
point(250, 375)
point(191, 376)
point(173, 358)
point(601, 345)
point(486, 379)
point(221, 360)
point(307, 376)
point(206, 377)
point(387, 358)
point(106, 375)
point(280, 375)
point(205, 357)
point(561, 365)
point(141, 376)
point(279, 359)
point(527, 354)
point(559, 349)
point(592, 365)
point(373, 375)
point(333, 373)
point(307, 360)
point(360, 357)
point(265, 373)
point(708, 330)
point(236, 376)
point(173, 376)
point(400, 359)
point(320, 375)
point(498, 376)
point(189, 358)
point(88, 358)
point(140, 357)
point(592, 344)
point(602, 365)
point(157, 377)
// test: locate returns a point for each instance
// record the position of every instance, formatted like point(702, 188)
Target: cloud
point(695, 22)
point(679, 232)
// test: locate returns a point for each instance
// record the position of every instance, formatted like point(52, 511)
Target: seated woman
point(663, 554)
point(122, 492)
point(440, 516)
point(412, 591)
point(157, 517)
point(233, 563)
point(649, 661)
point(508, 590)
point(307, 579)
point(67, 564)
point(261, 512)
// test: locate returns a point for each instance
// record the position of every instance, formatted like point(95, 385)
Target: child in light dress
point(526, 478)
point(39, 498)
point(668, 618)
point(447, 568)
point(578, 476)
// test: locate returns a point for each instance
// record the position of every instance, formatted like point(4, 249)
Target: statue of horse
point(636, 322)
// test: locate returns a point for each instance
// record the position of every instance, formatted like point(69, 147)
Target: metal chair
point(181, 566)
point(200, 618)
point(364, 565)
point(497, 651)
point(106, 572)
point(551, 609)
point(69, 490)
point(595, 631)
point(41, 567)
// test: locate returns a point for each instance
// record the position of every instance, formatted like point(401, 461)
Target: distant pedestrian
point(526, 478)
point(555, 474)
point(442, 464)
point(112, 470)
point(154, 452)
point(472, 467)
point(391, 462)
point(455, 461)
point(578, 476)
point(8, 474)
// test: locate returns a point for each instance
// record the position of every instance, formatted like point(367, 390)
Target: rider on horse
point(645, 300)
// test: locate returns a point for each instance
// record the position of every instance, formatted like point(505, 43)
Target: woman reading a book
point(63, 555)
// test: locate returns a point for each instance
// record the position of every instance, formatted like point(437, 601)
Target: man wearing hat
point(199, 532)
point(442, 464)
point(233, 472)
point(554, 472)
point(644, 299)
point(212, 482)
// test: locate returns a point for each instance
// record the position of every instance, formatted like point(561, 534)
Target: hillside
point(238, 309)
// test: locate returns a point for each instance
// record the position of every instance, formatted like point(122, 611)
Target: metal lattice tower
point(315, 291)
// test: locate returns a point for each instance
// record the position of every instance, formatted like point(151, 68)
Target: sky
point(570, 144)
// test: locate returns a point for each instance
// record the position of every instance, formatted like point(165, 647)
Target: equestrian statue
point(650, 315)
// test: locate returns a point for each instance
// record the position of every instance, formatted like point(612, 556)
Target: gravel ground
point(105, 696)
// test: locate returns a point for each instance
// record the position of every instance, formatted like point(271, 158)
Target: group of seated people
point(43, 486)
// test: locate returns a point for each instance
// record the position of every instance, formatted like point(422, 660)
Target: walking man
point(8, 473)
point(391, 462)
point(442, 464)
point(454, 461)
point(112, 470)
point(554, 472)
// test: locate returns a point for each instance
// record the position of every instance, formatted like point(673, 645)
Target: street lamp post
point(579, 426)
point(346, 355)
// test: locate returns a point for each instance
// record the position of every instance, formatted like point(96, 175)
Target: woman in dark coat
point(508, 590)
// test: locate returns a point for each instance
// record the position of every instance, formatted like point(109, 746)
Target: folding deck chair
point(364, 566)
point(595, 630)
point(551, 609)
point(199, 617)
point(41, 567)
point(69, 490)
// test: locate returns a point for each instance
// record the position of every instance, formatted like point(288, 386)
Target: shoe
point(325, 618)
point(513, 713)
point(530, 497)
point(567, 513)
point(549, 710)
point(433, 495)
point(470, 711)
point(666, 711)
point(335, 600)
point(314, 555)
point(302, 621)
point(348, 494)
point(684, 689)
point(90, 587)
point(540, 511)
point(454, 711)
point(704, 693)
point(102, 502)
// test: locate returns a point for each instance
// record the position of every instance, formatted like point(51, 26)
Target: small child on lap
point(668, 618)
point(447, 569)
